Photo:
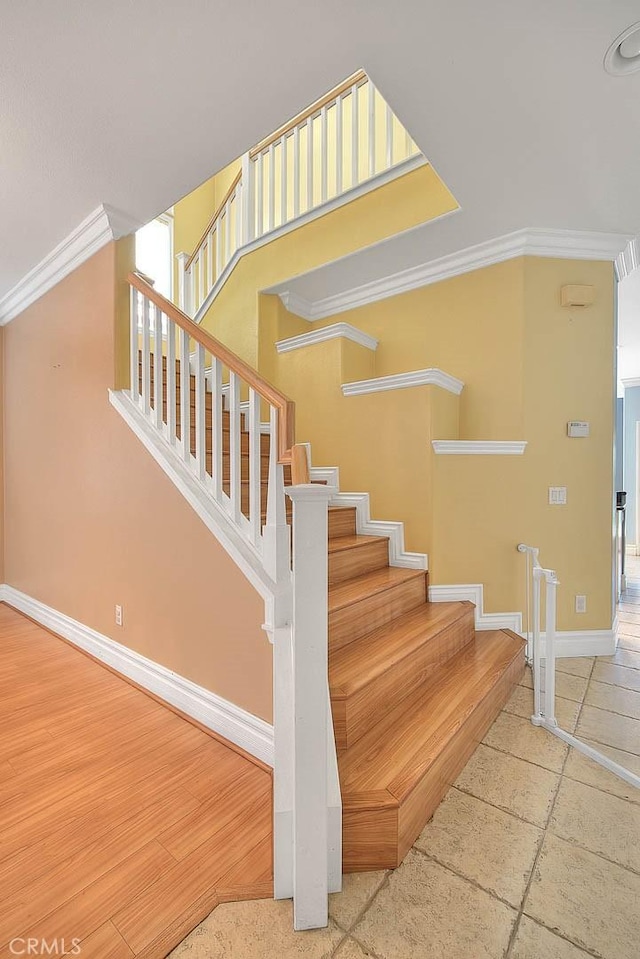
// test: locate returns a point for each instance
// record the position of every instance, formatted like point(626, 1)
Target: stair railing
point(542, 654)
point(345, 139)
point(187, 386)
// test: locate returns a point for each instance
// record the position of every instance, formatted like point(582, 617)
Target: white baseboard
point(247, 731)
point(586, 642)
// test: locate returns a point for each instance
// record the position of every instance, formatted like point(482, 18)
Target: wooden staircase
point(414, 686)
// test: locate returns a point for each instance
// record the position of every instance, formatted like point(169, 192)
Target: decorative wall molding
point(398, 555)
point(629, 259)
point(587, 642)
point(374, 183)
point(335, 331)
point(235, 724)
point(402, 381)
point(561, 244)
point(98, 229)
point(630, 381)
point(479, 447)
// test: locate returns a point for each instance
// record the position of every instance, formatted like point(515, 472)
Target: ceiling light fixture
point(623, 56)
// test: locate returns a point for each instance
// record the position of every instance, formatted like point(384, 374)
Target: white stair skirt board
point(479, 447)
point(559, 244)
point(402, 381)
point(335, 331)
point(387, 176)
point(587, 642)
point(398, 555)
point(228, 720)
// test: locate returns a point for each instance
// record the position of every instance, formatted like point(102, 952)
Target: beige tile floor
point(533, 854)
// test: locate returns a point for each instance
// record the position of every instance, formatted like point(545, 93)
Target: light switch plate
point(577, 428)
point(557, 496)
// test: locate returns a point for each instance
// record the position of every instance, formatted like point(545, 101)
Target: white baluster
point(218, 249)
point(182, 281)
point(259, 170)
point(255, 468)
point(189, 291)
point(276, 536)
point(210, 279)
point(272, 189)
point(296, 172)
point(324, 149)
point(389, 136)
point(339, 158)
point(185, 396)
point(371, 91)
point(247, 218)
point(146, 359)
point(309, 164)
point(234, 446)
point(157, 367)
point(134, 344)
point(227, 232)
point(238, 199)
point(201, 447)
point(355, 137)
point(216, 427)
point(171, 381)
point(200, 261)
point(283, 182)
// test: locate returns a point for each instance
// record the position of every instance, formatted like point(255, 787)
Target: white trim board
point(629, 259)
point(98, 229)
point(587, 642)
point(561, 244)
point(247, 731)
point(479, 447)
point(402, 381)
point(368, 186)
point(335, 331)
point(630, 381)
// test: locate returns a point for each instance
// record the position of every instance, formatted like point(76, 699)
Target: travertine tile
point(568, 686)
point(628, 629)
point(358, 889)
point(587, 899)
point(617, 675)
point(587, 771)
point(425, 910)
point(629, 642)
point(253, 930)
point(609, 728)
point(489, 846)
point(517, 736)
point(598, 821)
point(533, 941)
point(614, 698)
point(521, 704)
point(623, 657)
point(512, 784)
point(350, 949)
point(576, 665)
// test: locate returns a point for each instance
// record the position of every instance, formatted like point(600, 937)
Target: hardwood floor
point(122, 824)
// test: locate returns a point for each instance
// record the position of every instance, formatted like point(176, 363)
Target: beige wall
point(92, 521)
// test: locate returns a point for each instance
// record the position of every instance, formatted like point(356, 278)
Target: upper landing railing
point(347, 139)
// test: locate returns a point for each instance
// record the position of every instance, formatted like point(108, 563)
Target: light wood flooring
point(122, 824)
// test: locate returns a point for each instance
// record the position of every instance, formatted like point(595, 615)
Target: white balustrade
point(347, 139)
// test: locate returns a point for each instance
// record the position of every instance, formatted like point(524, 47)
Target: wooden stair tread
point(362, 587)
point(339, 543)
point(401, 747)
point(353, 666)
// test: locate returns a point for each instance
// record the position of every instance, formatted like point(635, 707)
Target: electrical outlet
point(557, 496)
point(581, 604)
point(118, 615)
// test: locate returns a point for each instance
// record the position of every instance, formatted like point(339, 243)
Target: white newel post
point(183, 296)
point(310, 706)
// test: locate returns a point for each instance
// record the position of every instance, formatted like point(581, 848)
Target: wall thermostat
point(577, 428)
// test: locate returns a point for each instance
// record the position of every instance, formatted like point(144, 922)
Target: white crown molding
point(479, 447)
point(402, 381)
point(247, 731)
point(398, 555)
point(629, 259)
point(335, 331)
point(98, 229)
point(630, 381)
point(561, 244)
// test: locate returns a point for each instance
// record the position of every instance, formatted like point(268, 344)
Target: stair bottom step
point(384, 814)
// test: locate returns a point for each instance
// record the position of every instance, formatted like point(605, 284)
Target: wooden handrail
point(284, 406)
point(220, 207)
point(358, 78)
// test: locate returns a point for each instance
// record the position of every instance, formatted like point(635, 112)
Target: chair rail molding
point(335, 331)
point(247, 731)
point(479, 447)
point(102, 226)
point(402, 381)
point(560, 244)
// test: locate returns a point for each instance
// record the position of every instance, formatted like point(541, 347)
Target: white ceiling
point(134, 104)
